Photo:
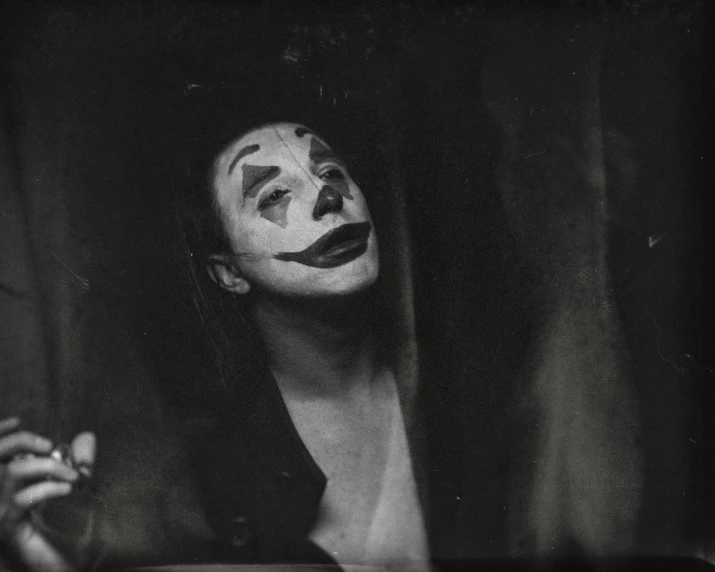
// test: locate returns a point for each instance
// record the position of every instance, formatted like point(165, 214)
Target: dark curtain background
point(98, 98)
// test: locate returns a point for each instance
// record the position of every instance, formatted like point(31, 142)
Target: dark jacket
point(238, 487)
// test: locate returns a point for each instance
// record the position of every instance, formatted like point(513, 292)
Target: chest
point(369, 513)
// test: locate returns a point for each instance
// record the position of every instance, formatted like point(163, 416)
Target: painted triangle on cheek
point(340, 186)
point(278, 214)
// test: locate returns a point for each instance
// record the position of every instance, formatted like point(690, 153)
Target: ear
point(223, 271)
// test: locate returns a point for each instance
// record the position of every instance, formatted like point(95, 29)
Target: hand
point(29, 475)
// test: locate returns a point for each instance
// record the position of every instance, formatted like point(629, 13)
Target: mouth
point(336, 247)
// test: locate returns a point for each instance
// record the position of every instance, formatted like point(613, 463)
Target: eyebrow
point(247, 150)
point(320, 152)
point(255, 177)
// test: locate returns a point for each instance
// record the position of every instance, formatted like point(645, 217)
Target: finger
point(34, 494)
point(23, 442)
point(84, 451)
point(10, 424)
point(40, 468)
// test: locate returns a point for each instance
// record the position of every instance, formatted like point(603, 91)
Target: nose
point(329, 201)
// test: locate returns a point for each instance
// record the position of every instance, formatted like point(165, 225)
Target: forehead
point(277, 142)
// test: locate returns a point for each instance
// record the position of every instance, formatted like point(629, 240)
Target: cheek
point(278, 214)
point(361, 204)
point(270, 232)
point(249, 239)
point(342, 186)
point(277, 276)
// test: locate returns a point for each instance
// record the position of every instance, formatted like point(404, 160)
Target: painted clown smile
point(336, 247)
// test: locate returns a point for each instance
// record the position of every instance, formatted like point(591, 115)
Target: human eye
point(272, 198)
point(332, 173)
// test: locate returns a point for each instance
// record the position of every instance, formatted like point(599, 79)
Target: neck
point(317, 347)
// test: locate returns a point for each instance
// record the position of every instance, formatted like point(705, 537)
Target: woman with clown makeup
point(301, 243)
point(312, 456)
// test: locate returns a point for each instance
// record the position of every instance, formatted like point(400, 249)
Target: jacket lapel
point(261, 486)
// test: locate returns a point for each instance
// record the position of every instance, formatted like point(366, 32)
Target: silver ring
point(63, 453)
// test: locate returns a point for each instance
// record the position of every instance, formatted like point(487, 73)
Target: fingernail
point(44, 443)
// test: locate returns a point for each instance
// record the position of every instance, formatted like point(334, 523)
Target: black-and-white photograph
point(355, 286)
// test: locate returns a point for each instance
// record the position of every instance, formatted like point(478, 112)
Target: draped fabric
point(591, 158)
point(579, 384)
point(543, 232)
point(24, 376)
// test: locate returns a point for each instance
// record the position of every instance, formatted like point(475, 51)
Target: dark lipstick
point(336, 247)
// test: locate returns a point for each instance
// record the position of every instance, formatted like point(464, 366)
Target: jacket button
point(240, 532)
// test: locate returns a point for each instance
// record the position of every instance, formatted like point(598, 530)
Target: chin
point(348, 280)
point(358, 287)
point(358, 278)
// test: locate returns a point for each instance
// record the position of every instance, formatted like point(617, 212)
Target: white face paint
point(279, 190)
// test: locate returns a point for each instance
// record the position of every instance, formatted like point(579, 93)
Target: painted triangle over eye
point(256, 176)
point(319, 152)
